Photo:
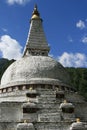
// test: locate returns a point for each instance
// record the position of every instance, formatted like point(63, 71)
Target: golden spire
point(25, 121)
point(35, 14)
point(78, 120)
point(65, 101)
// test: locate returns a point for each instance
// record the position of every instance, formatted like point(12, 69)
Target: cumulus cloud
point(84, 40)
point(73, 60)
point(4, 30)
point(20, 2)
point(10, 48)
point(80, 24)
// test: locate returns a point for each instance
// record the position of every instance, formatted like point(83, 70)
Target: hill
point(78, 78)
point(4, 63)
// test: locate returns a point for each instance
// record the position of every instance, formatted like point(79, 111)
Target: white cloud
point(4, 30)
point(80, 24)
point(70, 39)
point(73, 60)
point(20, 2)
point(10, 48)
point(84, 39)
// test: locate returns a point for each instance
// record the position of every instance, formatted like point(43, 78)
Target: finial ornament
point(35, 7)
point(28, 99)
point(30, 88)
point(65, 101)
point(35, 11)
point(25, 121)
point(78, 120)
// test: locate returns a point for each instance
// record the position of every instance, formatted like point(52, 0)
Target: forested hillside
point(78, 76)
point(4, 63)
point(79, 80)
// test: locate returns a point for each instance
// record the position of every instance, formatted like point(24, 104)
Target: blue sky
point(65, 26)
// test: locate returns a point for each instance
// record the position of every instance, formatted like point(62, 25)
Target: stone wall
point(48, 116)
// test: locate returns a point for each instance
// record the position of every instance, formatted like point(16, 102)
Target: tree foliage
point(4, 63)
point(79, 80)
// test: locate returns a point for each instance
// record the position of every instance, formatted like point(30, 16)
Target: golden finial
point(35, 14)
point(35, 6)
point(65, 101)
point(25, 121)
point(78, 120)
point(28, 99)
point(30, 88)
point(36, 10)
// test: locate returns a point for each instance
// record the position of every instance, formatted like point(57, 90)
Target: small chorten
point(78, 125)
point(67, 107)
point(25, 126)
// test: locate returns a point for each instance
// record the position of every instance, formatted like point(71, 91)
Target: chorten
point(35, 91)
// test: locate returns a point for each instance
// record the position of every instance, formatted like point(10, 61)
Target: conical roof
point(36, 43)
point(78, 125)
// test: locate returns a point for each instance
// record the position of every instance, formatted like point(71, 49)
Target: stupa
point(35, 91)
